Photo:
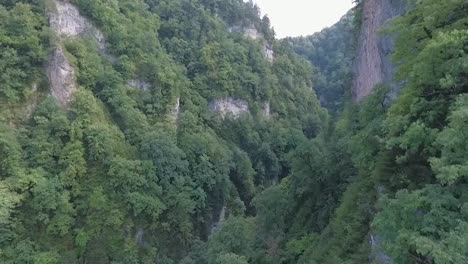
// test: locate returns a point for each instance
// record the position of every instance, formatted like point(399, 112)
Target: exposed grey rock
point(269, 53)
point(221, 218)
point(176, 110)
point(139, 84)
point(373, 63)
point(173, 115)
point(68, 22)
point(229, 107)
point(266, 110)
point(252, 33)
point(236, 29)
point(139, 236)
point(61, 77)
point(377, 253)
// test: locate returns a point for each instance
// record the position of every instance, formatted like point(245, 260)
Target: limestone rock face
point(61, 77)
point(229, 107)
point(269, 53)
point(176, 110)
point(173, 114)
point(252, 33)
point(377, 254)
point(373, 63)
point(221, 218)
point(66, 21)
point(139, 84)
point(266, 110)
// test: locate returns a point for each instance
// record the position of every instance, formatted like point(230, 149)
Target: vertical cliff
point(67, 22)
point(373, 63)
point(372, 66)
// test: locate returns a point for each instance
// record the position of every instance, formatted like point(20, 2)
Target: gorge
point(183, 131)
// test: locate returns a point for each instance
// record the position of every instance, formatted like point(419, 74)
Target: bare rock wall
point(373, 63)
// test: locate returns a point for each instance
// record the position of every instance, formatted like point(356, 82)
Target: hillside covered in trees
point(182, 131)
point(331, 53)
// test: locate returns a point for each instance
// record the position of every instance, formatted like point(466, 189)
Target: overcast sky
point(303, 17)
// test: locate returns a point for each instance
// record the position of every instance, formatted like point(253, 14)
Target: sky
point(303, 17)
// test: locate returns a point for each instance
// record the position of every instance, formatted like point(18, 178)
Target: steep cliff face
point(66, 22)
point(252, 33)
point(373, 63)
point(61, 77)
point(232, 107)
point(164, 170)
point(229, 107)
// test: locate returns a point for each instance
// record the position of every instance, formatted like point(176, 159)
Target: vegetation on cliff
point(127, 175)
point(331, 53)
point(140, 169)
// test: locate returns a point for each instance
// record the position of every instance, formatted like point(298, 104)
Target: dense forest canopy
point(193, 136)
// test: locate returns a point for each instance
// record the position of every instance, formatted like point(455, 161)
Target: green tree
point(236, 236)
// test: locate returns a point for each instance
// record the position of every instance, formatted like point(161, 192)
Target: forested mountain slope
point(130, 129)
point(332, 54)
point(181, 131)
point(406, 192)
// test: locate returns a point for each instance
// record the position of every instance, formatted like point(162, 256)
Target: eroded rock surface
point(176, 109)
point(66, 21)
point(229, 107)
point(220, 220)
point(139, 84)
point(377, 254)
point(269, 53)
point(266, 110)
point(252, 33)
point(373, 63)
point(174, 113)
point(61, 77)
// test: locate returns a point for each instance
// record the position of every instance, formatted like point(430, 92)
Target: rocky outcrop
point(235, 108)
point(377, 254)
point(139, 236)
point(252, 33)
point(65, 20)
point(221, 217)
point(61, 77)
point(266, 110)
point(174, 113)
point(139, 84)
point(229, 107)
point(176, 109)
point(373, 63)
point(268, 52)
